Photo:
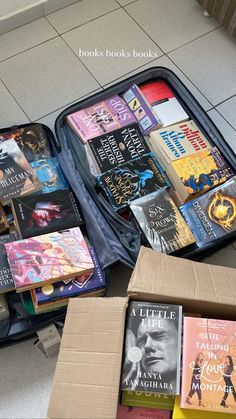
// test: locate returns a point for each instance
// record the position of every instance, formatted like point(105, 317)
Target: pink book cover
point(48, 258)
point(209, 365)
point(129, 412)
point(102, 117)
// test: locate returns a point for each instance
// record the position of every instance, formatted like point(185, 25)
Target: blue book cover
point(50, 175)
point(212, 215)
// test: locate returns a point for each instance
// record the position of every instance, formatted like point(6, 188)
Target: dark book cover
point(118, 147)
point(212, 215)
point(132, 180)
point(44, 213)
point(6, 280)
point(50, 175)
point(151, 360)
point(161, 222)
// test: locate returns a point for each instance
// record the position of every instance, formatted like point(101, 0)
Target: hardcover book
point(179, 413)
point(44, 213)
point(161, 222)
point(102, 117)
point(141, 109)
point(147, 399)
point(152, 351)
point(6, 280)
point(132, 180)
point(17, 177)
point(212, 215)
point(49, 258)
point(209, 359)
point(118, 147)
point(194, 175)
point(129, 412)
point(50, 175)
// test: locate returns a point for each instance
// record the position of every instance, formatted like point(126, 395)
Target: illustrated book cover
point(161, 222)
point(152, 349)
point(179, 413)
point(49, 258)
point(6, 280)
point(130, 412)
point(209, 361)
point(147, 399)
point(50, 175)
point(212, 215)
point(4, 225)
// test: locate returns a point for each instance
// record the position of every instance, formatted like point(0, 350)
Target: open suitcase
point(115, 239)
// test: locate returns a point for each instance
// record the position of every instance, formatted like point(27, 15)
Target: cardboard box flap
point(87, 377)
point(197, 286)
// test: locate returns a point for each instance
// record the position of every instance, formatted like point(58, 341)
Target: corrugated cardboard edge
point(87, 377)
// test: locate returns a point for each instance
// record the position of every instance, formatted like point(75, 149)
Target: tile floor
point(43, 69)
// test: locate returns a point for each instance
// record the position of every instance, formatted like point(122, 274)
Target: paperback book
point(3, 220)
point(151, 361)
point(179, 413)
point(147, 399)
point(129, 412)
point(212, 215)
point(161, 222)
point(50, 175)
point(6, 280)
point(44, 213)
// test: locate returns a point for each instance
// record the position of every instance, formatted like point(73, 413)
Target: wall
point(12, 7)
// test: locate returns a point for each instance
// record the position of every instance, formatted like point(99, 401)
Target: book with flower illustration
point(209, 365)
point(48, 258)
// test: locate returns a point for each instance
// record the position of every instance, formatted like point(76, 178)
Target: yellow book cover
point(179, 413)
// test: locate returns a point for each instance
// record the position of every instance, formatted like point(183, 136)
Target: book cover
point(50, 175)
point(161, 222)
point(48, 258)
point(209, 361)
point(102, 117)
point(130, 412)
point(31, 140)
point(132, 180)
point(152, 349)
point(44, 213)
point(141, 109)
point(179, 413)
point(17, 177)
point(6, 238)
point(147, 399)
point(212, 215)
point(3, 220)
point(164, 102)
point(6, 280)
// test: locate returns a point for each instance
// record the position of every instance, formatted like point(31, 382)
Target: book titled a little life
point(48, 258)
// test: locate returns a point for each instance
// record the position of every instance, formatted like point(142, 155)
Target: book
point(129, 412)
point(44, 213)
point(212, 215)
point(147, 399)
point(102, 117)
point(17, 177)
point(196, 174)
point(179, 413)
point(48, 258)
point(141, 109)
point(161, 222)
point(152, 348)
point(3, 220)
point(6, 238)
point(209, 359)
point(132, 180)
point(118, 147)
point(50, 175)
point(164, 103)
point(4, 312)
point(178, 141)
point(6, 280)
point(32, 141)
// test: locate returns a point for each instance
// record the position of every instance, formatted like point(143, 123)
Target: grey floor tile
point(171, 23)
point(79, 13)
point(92, 38)
point(228, 110)
point(10, 111)
point(46, 78)
point(226, 130)
point(25, 37)
point(125, 2)
point(20, 18)
point(53, 5)
point(210, 63)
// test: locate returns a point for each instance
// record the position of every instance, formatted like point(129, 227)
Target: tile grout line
point(61, 8)
point(4, 84)
point(225, 119)
point(225, 100)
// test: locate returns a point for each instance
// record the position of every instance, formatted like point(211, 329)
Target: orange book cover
point(209, 365)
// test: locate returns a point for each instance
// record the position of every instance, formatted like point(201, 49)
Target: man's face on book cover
point(158, 343)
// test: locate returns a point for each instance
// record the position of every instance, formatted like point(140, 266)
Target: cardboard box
point(86, 382)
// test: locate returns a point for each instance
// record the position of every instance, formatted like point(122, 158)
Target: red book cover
point(129, 412)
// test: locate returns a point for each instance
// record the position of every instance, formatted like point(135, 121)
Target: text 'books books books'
point(147, 399)
point(132, 180)
point(6, 280)
point(102, 117)
point(49, 258)
point(152, 348)
point(50, 175)
point(17, 177)
point(44, 213)
point(164, 103)
point(212, 215)
point(209, 360)
point(129, 412)
point(118, 147)
point(196, 174)
point(161, 222)
point(141, 109)
point(31, 140)
point(178, 141)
